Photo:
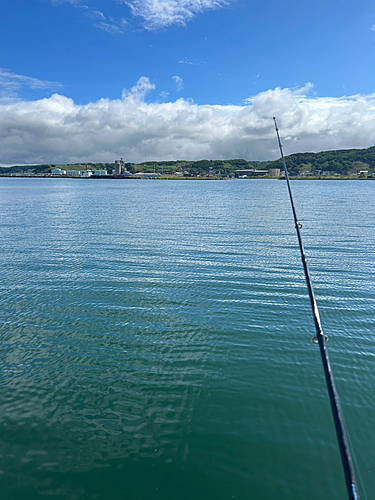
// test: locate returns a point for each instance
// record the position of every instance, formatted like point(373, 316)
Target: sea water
point(155, 339)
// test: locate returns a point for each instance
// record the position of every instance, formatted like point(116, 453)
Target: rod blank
point(351, 483)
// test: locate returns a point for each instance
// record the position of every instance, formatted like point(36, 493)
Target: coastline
point(182, 178)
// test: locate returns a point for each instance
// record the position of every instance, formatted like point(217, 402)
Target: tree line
point(340, 161)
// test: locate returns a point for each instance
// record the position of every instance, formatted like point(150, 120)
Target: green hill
point(340, 161)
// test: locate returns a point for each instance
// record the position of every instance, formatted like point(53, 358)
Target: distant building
point(57, 171)
point(147, 175)
point(274, 172)
point(86, 173)
point(251, 172)
point(119, 167)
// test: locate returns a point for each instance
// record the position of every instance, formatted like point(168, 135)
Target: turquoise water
point(155, 339)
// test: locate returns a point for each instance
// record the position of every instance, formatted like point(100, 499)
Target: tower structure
point(119, 167)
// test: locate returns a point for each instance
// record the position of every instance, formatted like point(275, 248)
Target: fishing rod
point(321, 339)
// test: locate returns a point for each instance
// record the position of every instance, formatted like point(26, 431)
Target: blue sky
point(220, 57)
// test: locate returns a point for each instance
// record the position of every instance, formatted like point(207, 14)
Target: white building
point(86, 173)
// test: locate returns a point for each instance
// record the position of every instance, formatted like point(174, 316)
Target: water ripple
point(156, 338)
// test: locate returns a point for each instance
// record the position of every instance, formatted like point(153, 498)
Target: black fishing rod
point(320, 339)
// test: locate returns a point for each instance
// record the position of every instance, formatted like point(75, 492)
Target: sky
point(96, 80)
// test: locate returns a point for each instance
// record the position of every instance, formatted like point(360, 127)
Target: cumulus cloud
point(56, 130)
point(179, 83)
point(373, 27)
point(158, 14)
point(139, 91)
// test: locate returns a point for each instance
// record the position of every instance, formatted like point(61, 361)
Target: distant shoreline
point(182, 178)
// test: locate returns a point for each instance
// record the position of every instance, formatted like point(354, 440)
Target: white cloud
point(56, 130)
point(155, 14)
point(76, 3)
point(189, 62)
point(96, 14)
point(113, 26)
point(373, 27)
point(186, 61)
point(179, 83)
point(110, 25)
point(11, 83)
point(158, 14)
point(139, 91)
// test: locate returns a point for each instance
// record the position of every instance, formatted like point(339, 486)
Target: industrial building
point(119, 167)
